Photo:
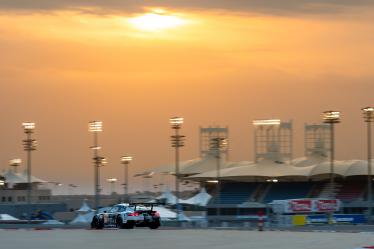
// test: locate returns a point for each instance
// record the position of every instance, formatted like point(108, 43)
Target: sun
point(157, 20)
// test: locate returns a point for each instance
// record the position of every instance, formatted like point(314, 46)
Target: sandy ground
point(183, 239)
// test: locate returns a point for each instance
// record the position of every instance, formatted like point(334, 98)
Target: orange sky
point(64, 67)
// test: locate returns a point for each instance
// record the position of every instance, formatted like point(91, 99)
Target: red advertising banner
point(306, 206)
point(327, 205)
point(301, 205)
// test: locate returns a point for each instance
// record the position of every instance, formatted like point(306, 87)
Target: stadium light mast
point(112, 182)
point(15, 163)
point(267, 122)
point(29, 144)
point(95, 127)
point(217, 145)
point(331, 118)
point(368, 113)
point(125, 160)
point(177, 142)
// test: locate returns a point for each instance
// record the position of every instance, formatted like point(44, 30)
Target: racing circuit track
point(181, 239)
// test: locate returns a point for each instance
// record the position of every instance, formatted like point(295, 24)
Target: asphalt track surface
point(181, 239)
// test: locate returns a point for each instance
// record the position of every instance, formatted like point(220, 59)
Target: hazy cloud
point(266, 6)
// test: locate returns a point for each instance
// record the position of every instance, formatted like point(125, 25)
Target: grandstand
point(249, 186)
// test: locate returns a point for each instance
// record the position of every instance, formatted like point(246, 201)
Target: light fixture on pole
point(112, 182)
point(331, 118)
point(217, 145)
point(177, 142)
point(125, 160)
point(15, 163)
point(95, 127)
point(368, 113)
point(29, 145)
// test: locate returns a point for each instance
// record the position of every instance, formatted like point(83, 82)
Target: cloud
point(277, 7)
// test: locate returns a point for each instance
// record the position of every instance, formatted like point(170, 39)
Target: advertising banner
point(327, 206)
point(305, 206)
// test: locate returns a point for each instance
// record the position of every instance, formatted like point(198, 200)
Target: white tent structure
point(168, 197)
point(167, 214)
point(200, 199)
point(83, 218)
point(85, 208)
point(7, 217)
point(53, 222)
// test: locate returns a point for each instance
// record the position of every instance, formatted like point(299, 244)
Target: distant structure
point(206, 136)
point(14, 189)
point(317, 140)
point(272, 140)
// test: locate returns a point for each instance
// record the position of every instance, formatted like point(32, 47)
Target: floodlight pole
point(177, 142)
point(177, 176)
point(95, 127)
point(369, 117)
point(29, 187)
point(97, 173)
point(370, 195)
point(126, 169)
point(332, 156)
point(29, 145)
point(126, 161)
point(332, 118)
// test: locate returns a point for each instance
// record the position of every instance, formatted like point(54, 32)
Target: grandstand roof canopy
point(190, 167)
point(270, 169)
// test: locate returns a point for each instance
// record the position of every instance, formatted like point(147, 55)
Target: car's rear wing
point(144, 204)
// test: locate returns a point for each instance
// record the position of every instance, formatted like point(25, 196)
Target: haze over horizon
point(135, 64)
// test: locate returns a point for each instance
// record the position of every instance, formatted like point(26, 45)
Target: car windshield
point(113, 209)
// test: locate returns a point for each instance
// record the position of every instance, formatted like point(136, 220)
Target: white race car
point(127, 216)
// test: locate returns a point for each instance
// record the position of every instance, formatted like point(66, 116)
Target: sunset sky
point(134, 64)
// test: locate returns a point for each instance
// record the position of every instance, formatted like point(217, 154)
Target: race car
point(127, 216)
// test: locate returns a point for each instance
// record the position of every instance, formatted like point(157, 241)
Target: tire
point(97, 224)
point(119, 223)
point(129, 225)
point(155, 224)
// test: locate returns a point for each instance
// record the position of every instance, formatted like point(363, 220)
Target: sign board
point(305, 206)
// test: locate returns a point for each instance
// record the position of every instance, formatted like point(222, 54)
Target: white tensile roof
point(14, 178)
point(308, 161)
point(271, 169)
point(189, 167)
point(200, 199)
point(33, 178)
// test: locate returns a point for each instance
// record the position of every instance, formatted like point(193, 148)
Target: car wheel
point(154, 225)
point(97, 224)
point(129, 225)
point(119, 223)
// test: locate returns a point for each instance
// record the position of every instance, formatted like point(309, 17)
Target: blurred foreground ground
point(187, 238)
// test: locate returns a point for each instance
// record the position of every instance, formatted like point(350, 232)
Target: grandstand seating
point(240, 192)
point(328, 190)
point(350, 191)
point(287, 190)
point(236, 192)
